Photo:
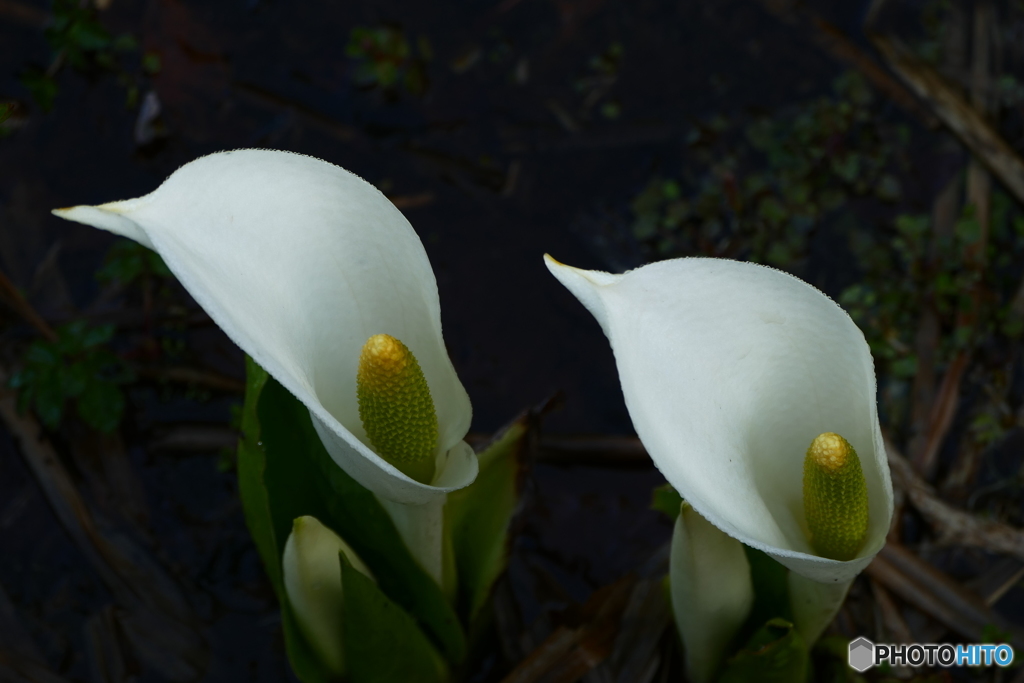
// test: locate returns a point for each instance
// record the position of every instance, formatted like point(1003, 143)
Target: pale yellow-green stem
point(835, 497)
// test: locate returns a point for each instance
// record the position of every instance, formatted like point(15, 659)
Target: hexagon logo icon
point(862, 654)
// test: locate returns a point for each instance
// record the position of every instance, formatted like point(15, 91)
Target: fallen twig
point(943, 410)
point(836, 43)
point(186, 375)
point(893, 621)
point(194, 438)
point(594, 450)
point(936, 594)
point(23, 308)
point(26, 14)
point(993, 584)
point(157, 620)
point(957, 114)
point(570, 652)
point(954, 527)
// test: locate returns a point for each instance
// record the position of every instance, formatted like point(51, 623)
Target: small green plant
point(602, 73)
point(385, 59)
point(763, 190)
point(128, 261)
point(77, 39)
point(80, 367)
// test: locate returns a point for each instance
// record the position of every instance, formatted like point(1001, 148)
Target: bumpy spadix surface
point(729, 370)
point(835, 497)
point(395, 406)
point(299, 262)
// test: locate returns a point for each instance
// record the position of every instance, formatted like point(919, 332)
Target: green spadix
point(396, 408)
point(835, 498)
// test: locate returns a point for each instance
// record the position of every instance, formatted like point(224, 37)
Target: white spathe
point(712, 591)
point(729, 371)
point(300, 262)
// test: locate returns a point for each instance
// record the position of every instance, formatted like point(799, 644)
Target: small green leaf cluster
point(128, 261)
point(602, 73)
point(765, 189)
point(79, 367)
point(385, 59)
point(79, 40)
point(909, 267)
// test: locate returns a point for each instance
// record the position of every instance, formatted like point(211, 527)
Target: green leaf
point(382, 642)
point(101, 405)
point(666, 500)
point(285, 472)
point(96, 336)
point(771, 591)
point(259, 506)
point(42, 88)
point(775, 654)
point(49, 397)
point(479, 515)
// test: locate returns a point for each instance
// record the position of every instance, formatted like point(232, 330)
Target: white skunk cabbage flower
point(712, 591)
point(300, 262)
point(312, 580)
point(730, 371)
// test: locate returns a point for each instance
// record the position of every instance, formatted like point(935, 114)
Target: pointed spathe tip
point(111, 217)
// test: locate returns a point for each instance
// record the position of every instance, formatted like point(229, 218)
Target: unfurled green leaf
point(77, 366)
point(479, 515)
point(775, 654)
point(285, 472)
point(383, 643)
point(260, 502)
point(101, 406)
point(666, 500)
point(126, 261)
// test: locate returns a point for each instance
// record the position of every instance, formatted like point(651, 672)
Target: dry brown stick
point(943, 410)
point(995, 582)
point(23, 308)
point(598, 450)
point(979, 182)
point(936, 594)
point(959, 116)
point(412, 201)
point(836, 43)
point(892, 619)
point(339, 131)
point(570, 652)
point(13, 636)
point(945, 210)
point(190, 438)
point(23, 13)
point(185, 375)
point(953, 526)
point(839, 45)
point(874, 11)
point(15, 668)
point(979, 196)
point(158, 621)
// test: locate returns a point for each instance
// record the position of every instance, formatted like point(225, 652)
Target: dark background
point(496, 160)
